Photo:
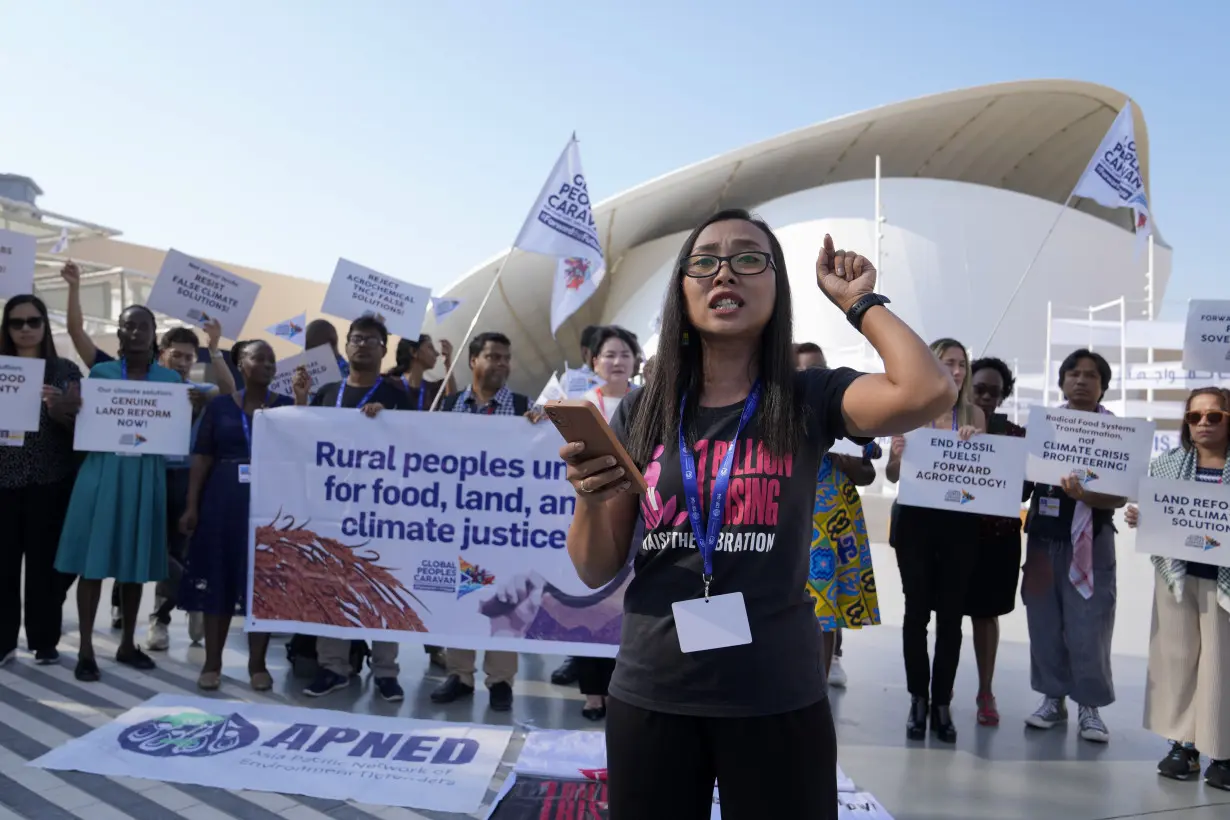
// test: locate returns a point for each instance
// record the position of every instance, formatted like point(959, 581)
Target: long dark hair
point(47, 351)
point(1185, 431)
point(679, 365)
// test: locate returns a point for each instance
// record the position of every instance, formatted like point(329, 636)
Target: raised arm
point(221, 370)
point(75, 319)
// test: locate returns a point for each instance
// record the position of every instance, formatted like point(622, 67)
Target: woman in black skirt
point(992, 590)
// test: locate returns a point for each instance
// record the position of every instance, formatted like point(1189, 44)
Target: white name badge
point(1048, 507)
point(9, 438)
point(245, 473)
point(712, 623)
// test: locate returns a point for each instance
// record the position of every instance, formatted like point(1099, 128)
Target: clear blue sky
point(412, 137)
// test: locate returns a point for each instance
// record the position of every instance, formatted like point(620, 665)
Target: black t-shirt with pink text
point(763, 552)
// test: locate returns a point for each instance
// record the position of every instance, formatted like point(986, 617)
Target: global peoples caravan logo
point(576, 272)
point(189, 734)
point(1202, 542)
point(132, 440)
point(471, 577)
point(958, 497)
point(1085, 476)
point(460, 577)
point(199, 316)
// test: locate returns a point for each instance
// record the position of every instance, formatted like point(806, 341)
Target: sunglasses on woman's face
point(34, 323)
point(1214, 417)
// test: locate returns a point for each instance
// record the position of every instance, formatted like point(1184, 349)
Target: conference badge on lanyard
point(717, 621)
point(341, 390)
point(245, 470)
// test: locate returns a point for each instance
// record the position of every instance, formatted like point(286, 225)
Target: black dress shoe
point(594, 713)
point(567, 673)
point(46, 657)
point(450, 690)
point(500, 697)
point(87, 670)
point(916, 723)
point(941, 724)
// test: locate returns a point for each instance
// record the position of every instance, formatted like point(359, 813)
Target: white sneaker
point(196, 627)
point(837, 676)
point(1092, 727)
point(1049, 714)
point(157, 639)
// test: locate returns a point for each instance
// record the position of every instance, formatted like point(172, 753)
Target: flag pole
point(1020, 284)
point(495, 280)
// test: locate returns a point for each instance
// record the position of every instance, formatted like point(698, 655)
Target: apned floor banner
point(389, 761)
point(440, 528)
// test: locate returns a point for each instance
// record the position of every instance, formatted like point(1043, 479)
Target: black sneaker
point(1181, 764)
point(46, 657)
point(136, 659)
point(325, 683)
point(390, 690)
point(501, 697)
point(567, 673)
point(450, 690)
point(1218, 775)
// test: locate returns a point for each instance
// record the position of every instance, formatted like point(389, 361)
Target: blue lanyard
point(707, 537)
point(124, 370)
point(243, 417)
point(341, 389)
point(422, 389)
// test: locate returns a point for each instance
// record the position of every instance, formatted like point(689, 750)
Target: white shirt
point(607, 405)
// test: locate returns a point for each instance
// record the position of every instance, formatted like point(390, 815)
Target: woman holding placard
point(1071, 577)
point(936, 556)
point(720, 657)
point(117, 518)
point(215, 577)
point(36, 479)
point(1187, 697)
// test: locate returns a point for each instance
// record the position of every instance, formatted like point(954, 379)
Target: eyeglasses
point(748, 263)
point(1213, 417)
point(365, 341)
point(34, 323)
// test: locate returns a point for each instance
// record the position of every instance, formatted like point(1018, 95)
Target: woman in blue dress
point(215, 578)
point(116, 522)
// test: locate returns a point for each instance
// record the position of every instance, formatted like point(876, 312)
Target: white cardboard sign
point(17, 254)
point(133, 418)
point(356, 290)
point(1108, 453)
point(21, 393)
point(321, 366)
point(1188, 520)
point(983, 475)
point(196, 291)
point(1206, 337)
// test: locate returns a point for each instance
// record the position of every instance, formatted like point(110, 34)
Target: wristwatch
point(858, 309)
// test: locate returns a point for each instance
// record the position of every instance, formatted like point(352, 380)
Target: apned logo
point(1085, 476)
point(958, 497)
point(189, 734)
point(1202, 542)
point(132, 440)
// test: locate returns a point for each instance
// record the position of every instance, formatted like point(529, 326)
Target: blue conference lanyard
point(422, 390)
point(707, 537)
point(124, 370)
point(243, 416)
point(341, 389)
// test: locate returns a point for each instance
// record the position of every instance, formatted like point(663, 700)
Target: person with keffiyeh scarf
point(1070, 582)
point(1187, 696)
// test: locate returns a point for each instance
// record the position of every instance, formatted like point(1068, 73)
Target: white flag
point(553, 391)
point(561, 224)
point(61, 244)
point(576, 383)
point(1113, 178)
point(443, 307)
point(292, 330)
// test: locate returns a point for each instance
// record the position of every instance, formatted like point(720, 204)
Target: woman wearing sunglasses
point(36, 479)
point(1187, 697)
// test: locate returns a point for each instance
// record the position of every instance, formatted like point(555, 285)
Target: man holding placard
point(1070, 580)
point(1184, 514)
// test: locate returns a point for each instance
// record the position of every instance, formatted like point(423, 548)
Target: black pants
point(935, 554)
point(33, 517)
point(662, 766)
point(594, 675)
point(166, 591)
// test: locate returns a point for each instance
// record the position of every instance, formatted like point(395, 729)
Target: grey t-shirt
point(763, 552)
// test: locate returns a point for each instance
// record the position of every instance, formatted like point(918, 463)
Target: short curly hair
point(999, 365)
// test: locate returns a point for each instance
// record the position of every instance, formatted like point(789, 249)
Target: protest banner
point(391, 761)
point(131, 417)
point(321, 365)
point(984, 475)
point(406, 526)
point(197, 291)
point(1206, 336)
point(21, 393)
point(18, 252)
point(1107, 453)
point(1188, 520)
point(356, 290)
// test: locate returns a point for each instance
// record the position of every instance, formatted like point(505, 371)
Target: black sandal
point(87, 670)
point(136, 659)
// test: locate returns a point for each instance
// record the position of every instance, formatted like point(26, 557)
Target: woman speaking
point(720, 655)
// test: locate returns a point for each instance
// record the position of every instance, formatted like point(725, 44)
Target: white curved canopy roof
point(1033, 138)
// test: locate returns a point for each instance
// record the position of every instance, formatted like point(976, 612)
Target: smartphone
point(578, 420)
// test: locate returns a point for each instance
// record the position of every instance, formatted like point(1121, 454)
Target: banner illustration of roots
point(302, 576)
